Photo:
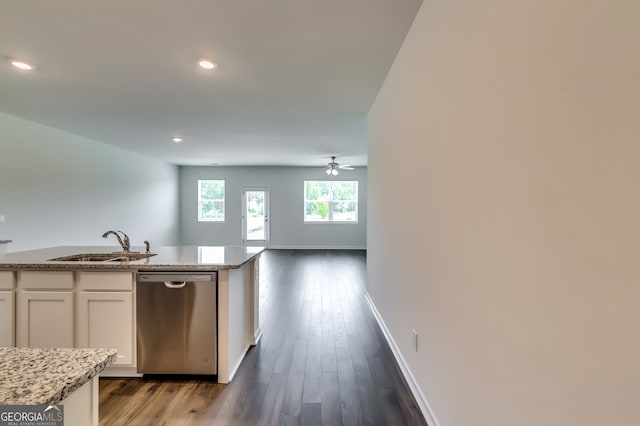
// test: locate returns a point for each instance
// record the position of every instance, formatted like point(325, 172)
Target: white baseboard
point(427, 412)
point(117, 371)
point(234, 370)
point(256, 337)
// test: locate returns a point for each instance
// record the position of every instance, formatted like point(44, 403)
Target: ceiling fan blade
point(345, 167)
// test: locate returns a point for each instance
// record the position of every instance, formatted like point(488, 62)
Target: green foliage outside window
point(255, 203)
point(211, 200)
point(331, 201)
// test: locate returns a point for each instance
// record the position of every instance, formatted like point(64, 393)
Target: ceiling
point(294, 82)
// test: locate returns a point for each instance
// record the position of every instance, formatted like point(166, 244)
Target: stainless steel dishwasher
point(177, 322)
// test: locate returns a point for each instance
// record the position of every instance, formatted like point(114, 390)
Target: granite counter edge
point(66, 266)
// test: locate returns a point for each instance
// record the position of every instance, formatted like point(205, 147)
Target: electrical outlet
point(414, 335)
point(1, 218)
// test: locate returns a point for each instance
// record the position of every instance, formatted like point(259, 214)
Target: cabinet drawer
point(45, 280)
point(6, 280)
point(105, 281)
point(7, 308)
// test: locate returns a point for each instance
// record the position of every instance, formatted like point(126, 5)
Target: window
point(210, 201)
point(330, 201)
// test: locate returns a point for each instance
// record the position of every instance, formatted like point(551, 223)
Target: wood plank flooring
point(322, 359)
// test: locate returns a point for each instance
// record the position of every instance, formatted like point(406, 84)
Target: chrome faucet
point(125, 244)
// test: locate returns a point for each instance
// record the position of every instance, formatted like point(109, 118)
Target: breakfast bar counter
point(35, 376)
point(51, 376)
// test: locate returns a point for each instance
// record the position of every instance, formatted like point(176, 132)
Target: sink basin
point(103, 257)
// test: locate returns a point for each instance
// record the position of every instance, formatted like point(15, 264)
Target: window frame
point(224, 201)
point(331, 203)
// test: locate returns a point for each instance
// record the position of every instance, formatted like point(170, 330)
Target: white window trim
point(331, 222)
point(224, 203)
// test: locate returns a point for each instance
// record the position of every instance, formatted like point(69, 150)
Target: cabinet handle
point(175, 284)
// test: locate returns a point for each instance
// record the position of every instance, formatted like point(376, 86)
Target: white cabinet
point(105, 314)
point(6, 318)
point(6, 280)
point(7, 309)
point(105, 320)
point(66, 309)
point(45, 309)
point(45, 280)
point(45, 319)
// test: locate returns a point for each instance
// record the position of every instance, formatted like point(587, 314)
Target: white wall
point(286, 192)
point(508, 230)
point(60, 189)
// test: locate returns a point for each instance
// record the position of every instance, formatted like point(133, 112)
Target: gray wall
point(60, 189)
point(286, 210)
point(504, 163)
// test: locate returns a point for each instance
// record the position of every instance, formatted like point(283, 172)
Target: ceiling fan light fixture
point(332, 171)
point(332, 167)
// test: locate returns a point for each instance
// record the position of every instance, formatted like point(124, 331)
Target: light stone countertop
point(36, 376)
point(168, 258)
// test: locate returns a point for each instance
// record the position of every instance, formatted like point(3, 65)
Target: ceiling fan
point(332, 167)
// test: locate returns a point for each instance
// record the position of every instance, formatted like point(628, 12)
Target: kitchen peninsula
point(91, 304)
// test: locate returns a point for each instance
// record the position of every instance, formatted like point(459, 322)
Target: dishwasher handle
point(175, 284)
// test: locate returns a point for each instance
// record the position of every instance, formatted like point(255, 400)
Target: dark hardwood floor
point(322, 359)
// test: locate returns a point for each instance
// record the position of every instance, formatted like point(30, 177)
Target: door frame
point(267, 232)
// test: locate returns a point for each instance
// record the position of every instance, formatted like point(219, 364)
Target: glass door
point(255, 214)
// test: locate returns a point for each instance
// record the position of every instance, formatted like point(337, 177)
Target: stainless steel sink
point(103, 257)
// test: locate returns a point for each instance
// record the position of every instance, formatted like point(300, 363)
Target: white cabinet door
point(105, 320)
point(45, 319)
point(6, 318)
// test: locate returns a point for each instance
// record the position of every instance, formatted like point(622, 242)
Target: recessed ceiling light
point(207, 64)
point(176, 139)
point(22, 65)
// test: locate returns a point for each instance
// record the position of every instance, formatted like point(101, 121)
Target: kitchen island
point(54, 376)
point(65, 303)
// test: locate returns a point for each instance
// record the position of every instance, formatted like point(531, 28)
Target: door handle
point(175, 284)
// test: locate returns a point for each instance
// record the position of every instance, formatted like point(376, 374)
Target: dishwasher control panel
point(162, 277)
